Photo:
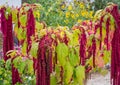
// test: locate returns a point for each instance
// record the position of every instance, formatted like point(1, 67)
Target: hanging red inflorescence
point(44, 61)
point(65, 39)
point(4, 32)
point(18, 17)
point(8, 43)
point(107, 33)
point(30, 28)
point(94, 50)
point(115, 56)
point(30, 32)
point(101, 20)
point(82, 42)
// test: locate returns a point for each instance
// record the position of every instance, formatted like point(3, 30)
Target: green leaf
point(6, 82)
point(73, 58)
point(14, 15)
point(21, 34)
point(106, 56)
point(30, 66)
point(53, 80)
point(34, 49)
point(57, 71)
point(8, 10)
point(62, 53)
point(11, 53)
point(24, 48)
point(74, 38)
point(16, 61)
point(2, 62)
point(90, 61)
point(68, 72)
point(38, 25)
point(23, 20)
point(80, 74)
point(22, 66)
point(1, 82)
point(1, 71)
point(103, 31)
point(8, 64)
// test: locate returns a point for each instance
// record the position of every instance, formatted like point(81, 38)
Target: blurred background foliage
point(100, 4)
point(63, 13)
point(68, 12)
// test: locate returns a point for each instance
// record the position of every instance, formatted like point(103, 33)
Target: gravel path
point(97, 79)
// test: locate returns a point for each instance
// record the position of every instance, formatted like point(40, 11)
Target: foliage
point(24, 66)
point(62, 13)
point(64, 45)
point(100, 4)
point(5, 72)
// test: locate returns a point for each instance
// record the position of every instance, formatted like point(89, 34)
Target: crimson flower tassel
point(115, 56)
point(96, 27)
point(107, 33)
point(44, 61)
point(89, 52)
point(30, 28)
point(94, 50)
point(4, 33)
point(65, 39)
point(30, 32)
point(18, 18)
point(8, 43)
point(101, 20)
point(18, 22)
point(82, 50)
point(15, 74)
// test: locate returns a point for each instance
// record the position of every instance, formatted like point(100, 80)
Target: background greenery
point(63, 13)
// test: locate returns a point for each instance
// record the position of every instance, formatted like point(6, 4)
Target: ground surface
point(97, 79)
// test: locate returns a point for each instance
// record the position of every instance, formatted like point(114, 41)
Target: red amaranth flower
point(94, 50)
point(44, 61)
point(82, 42)
point(115, 56)
point(8, 43)
point(107, 33)
point(101, 20)
point(30, 28)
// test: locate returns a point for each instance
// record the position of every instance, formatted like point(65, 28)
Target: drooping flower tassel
point(107, 33)
point(65, 39)
point(30, 32)
point(101, 20)
point(8, 43)
point(4, 33)
point(30, 28)
point(15, 74)
point(82, 42)
point(94, 50)
point(44, 61)
point(115, 56)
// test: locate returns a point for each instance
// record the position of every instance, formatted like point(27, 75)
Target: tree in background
point(100, 4)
